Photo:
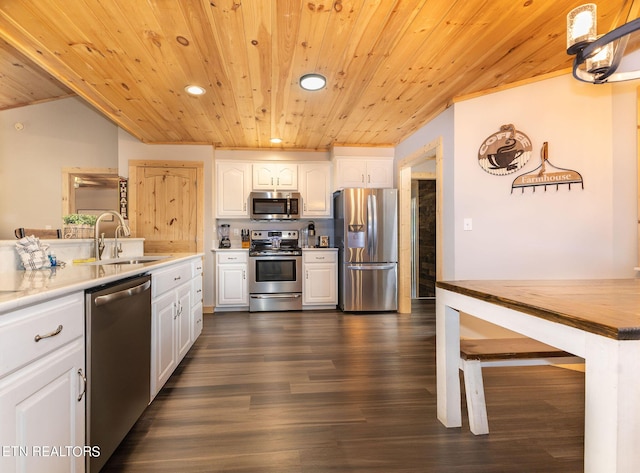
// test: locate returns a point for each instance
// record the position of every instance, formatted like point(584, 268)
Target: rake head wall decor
point(547, 175)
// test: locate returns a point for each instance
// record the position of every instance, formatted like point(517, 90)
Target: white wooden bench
point(476, 353)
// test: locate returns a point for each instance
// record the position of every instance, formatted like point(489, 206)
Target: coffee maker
point(311, 234)
point(223, 230)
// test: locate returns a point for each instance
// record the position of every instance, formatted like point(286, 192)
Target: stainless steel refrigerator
point(366, 234)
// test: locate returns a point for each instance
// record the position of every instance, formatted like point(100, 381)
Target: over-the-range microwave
point(275, 205)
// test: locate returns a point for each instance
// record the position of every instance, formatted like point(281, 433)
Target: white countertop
point(319, 249)
point(20, 288)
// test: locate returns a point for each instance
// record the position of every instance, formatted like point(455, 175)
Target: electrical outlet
point(236, 231)
point(467, 224)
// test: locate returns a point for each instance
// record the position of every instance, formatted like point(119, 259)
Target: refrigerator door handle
point(374, 219)
point(371, 267)
point(370, 229)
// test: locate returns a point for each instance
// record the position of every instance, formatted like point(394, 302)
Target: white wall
point(575, 233)
point(57, 134)
point(440, 127)
point(553, 234)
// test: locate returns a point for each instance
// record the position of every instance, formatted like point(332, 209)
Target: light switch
point(467, 224)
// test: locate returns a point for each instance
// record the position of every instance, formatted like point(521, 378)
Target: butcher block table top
point(607, 307)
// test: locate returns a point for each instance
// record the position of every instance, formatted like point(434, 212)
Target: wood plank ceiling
point(391, 65)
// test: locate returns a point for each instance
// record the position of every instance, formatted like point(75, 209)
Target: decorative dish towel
point(33, 254)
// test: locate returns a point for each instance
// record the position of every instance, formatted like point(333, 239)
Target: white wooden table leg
point(474, 392)
point(612, 405)
point(449, 409)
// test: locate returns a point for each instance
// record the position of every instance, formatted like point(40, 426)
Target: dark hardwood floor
point(315, 392)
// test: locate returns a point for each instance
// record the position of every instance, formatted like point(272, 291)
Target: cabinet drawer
point(166, 279)
point(319, 256)
point(57, 322)
point(196, 291)
point(196, 267)
point(232, 257)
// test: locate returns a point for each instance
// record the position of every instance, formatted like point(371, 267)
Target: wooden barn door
point(166, 205)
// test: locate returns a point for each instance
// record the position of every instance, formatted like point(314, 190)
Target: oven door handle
point(275, 296)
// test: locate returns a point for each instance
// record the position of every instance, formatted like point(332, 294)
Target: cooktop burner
point(274, 242)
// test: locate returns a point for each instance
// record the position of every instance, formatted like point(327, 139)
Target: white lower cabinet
point(232, 285)
point(42, 387)
point(173, 315)
point(320, 278)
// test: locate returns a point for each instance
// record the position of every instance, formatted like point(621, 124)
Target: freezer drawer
point(369, 287)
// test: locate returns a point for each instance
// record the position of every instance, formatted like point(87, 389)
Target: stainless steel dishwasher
point(118, 365)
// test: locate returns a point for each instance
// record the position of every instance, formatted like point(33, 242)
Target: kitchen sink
point(128, 260)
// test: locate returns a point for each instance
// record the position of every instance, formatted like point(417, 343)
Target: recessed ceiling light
point(195, 90)
point(312, 81)
point(275, 141)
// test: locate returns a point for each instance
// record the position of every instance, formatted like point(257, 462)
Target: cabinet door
point(287, 177)
point(315, 187)
point(40, 410)
point(320, 284)
point(272, 176)
point(183, 319)
point(197, 320)
point(163, 343)
point(234, 186)
point(232, 286)
point(350, 173)
point(380, 174)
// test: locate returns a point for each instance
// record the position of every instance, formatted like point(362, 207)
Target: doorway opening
point(423, 238)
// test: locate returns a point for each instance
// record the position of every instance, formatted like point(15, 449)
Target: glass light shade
point(312, 82)
point(582, 26)
point(601, 60)
point(276, 141)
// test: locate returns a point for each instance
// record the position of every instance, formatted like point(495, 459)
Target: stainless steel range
point(275, 271)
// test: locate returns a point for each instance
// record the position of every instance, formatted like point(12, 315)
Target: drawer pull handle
point(84, 382)
point(37, 338)
point(177, 278)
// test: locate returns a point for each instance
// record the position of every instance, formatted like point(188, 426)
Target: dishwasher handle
point(132, 291)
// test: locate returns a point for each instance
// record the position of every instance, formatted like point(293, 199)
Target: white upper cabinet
point(315, 187)
point(363, 167)
point(269, 176)
point(233, 187)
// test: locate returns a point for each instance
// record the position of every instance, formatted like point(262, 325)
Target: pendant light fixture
point(612, 57)
point(313, 81)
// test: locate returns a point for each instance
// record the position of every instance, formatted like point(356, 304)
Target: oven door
point(275, 274)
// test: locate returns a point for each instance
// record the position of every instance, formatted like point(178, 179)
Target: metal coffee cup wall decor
point(504, 152)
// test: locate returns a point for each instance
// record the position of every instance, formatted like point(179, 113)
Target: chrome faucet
point(98, 237)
